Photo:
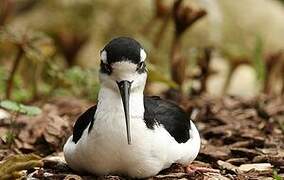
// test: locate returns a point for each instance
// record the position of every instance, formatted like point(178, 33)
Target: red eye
point(107, 67)
point(141, 67)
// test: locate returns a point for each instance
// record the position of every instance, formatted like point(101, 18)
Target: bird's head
point(123, 70)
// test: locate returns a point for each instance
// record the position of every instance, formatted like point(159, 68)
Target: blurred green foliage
point(61, 41)
point(155, 75)
point(3, 77)
point(73, 81)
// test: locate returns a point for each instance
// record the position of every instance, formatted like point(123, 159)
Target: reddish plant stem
point(163, 13)
point(272, 64)
point(204, 65)
point(233, 67)
point(161, 31)
point(184, 17)
point(10, 81)
point(70, 44)
point(6, 9)
point(177, 62)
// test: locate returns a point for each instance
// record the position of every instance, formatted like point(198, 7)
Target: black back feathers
point(168, 114)
point(82, 123)
point(157, 112)
point(123, 49)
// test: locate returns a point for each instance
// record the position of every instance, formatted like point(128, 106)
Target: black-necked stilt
point(126, 132)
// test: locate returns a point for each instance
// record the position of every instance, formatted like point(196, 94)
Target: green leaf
point(21, 108)
point(10, 137)
point(10, 105)
point(276, 176)
point(30, 110)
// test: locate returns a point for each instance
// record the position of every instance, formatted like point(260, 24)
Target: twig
point(171, 176)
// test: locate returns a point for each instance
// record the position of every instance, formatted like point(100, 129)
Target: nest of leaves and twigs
point(242, 138)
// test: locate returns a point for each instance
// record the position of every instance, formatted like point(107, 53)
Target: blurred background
point(223, 58)
point(51, 48)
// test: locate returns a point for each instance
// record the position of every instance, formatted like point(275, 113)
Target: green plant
point(20, 108)
point(34, 48)
point(276, 176)
point(74, 81)
point(68, 27)
point(3, 76)
point(16, 109)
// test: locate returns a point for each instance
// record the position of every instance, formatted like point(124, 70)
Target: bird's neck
point(110, 101)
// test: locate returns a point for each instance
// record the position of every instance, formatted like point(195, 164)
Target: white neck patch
point(104, 56)
point(142, 55)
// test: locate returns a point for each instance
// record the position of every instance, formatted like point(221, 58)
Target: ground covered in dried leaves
point(241, 138)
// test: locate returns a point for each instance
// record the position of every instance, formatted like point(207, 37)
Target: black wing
point(82, 123)
point(170, 115)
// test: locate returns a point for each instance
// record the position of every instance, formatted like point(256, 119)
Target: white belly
point(105, 150)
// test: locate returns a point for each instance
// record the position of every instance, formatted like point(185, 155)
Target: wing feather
point(88, 117)
point(168, 114)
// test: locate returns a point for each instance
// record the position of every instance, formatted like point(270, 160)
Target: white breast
point(105, 150)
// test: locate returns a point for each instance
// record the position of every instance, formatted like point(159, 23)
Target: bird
point(126, 132)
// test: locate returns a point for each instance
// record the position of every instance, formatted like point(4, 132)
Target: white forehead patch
point(123, 70)
point(142, 55)
point(104, 56)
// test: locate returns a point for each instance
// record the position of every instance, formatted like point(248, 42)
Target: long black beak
point(124, 88)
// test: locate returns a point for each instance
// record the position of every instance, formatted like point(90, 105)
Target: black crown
point(123, 49)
